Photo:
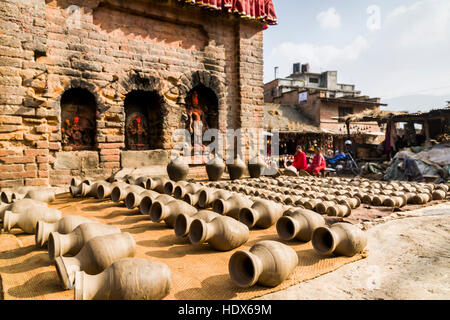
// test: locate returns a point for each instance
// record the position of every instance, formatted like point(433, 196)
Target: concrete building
point(90, 87)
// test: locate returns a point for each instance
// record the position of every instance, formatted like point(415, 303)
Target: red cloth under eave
point(253, 9)
point(300, 161)
point(318, 164)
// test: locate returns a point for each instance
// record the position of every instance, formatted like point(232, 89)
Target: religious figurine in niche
point(136, 132)
point(197, 123)
point(77, 134)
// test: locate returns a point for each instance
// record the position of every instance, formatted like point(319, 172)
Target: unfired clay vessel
point(120, 192)
point(256, 167)
point(126, 279)
point(192, 198)
point(27, 219)
point(339, 239)
point(180, 191)
point(157, 184)
point(215, 168)
point(72, 242)
point(222, 233)
point(169, 211)
point(134, 199)
point(178, 169)
point(183, 221)
point(105, 189)
point(299, 224)
point(147, 202)
point(263, 214)
point(95, 256)
point(339, 210)
point(63, 226)
point(232, 205)
point(170, 186)
point(267, 263)
point(209, 195)
point(44, 195)
point(439, 194)
point(236, 169)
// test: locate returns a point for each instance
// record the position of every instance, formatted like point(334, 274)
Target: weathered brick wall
point(114, 47)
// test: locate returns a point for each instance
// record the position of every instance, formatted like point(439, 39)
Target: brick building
point(89, 87)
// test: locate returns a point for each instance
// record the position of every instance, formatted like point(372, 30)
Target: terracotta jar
point(256, 167)
point(95, 256)
point(299, 224)
point(183, 221)
point(126, 279)
point(395, 202)
point(267, 263)
point(339, 239)
point(232, 205)
point(64, 225)
point(28, 218)
point(178, 169)
point(209, 195)
point(421, 198)
point(120, 192)
point(222, 233)
point(323, 206)
point(104, 190)
point(147, 202)
point(263, 214)
point(339, 210)
point(439, 194)
point(236, 169)
point(180, 191)
point(134, 199)
point(169, 211)
point(72, 242)
point(215, 168)
point(170, 186)
point(44, 195)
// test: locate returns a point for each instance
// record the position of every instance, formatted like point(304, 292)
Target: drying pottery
point(353, 203)
point(209, 195)
point(311, 204)
point(263, 214)
point(85, 190)
point(222, 233)
point(180, 191)
point(95, 256)
point(395, 202)
point(178, 169)
point(28, 218)
point(169, 211)
point(299, 224)
point(157, 184)
point(44, 195)
point(323, 206)
point(192, 198)
point(75, 181)
point(134, 199)
point(439, 194)
point(215, 168)
point(421, 198)
point(105, 189)
point(183, 221)
point(378, 200)
point(170, 186)
point(339, 239)
point(126, 279)
point(147, 202)
point(63, 226)
point(72, 242)
point(256, 167)
point(120, 192)
point(236, 169)
point(267, 263)
point(231, 206)
point(339, 210)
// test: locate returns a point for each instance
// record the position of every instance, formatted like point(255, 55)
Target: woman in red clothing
point(299, 159)
point(318, 163)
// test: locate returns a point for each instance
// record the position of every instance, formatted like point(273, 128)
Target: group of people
point(300, 163)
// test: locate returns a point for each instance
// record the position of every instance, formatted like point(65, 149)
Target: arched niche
point(143, 120)
point(202, 105)
point(78, 119)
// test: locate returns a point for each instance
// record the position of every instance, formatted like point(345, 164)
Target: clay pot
point(75, 181)
point(170, 186)
point(367, 198)
point(126, 279)
point(256, 167)
point(267, 263)
point(209, 195)
point(169, 211)
point(263, 214)
point(339, 210)
point(299, 224)
point(147, 202)
point(28, 218)
point(6, 196)
point(222, 233)
point(339, 239)
point(291, 200)
point(421, 198)
point(215, 168)
point(44, 195)
point(183, 221)
point(64, 225)
point(177, 169)
point(323, 206)
point(3, 208)
point(21, 205)
point(60, 244)
point(311, 204)
point(395, 202)
point(95, 256)
point(142, 181)
point(85, 190)
point(192, 198)
point(120, 192)
point(236, 169)
point(231, 206)
point(353, 203)
point(104, 190)
point(157, 184)
point(439, 194)
point(444, 187)
point(180, 191)
point(134, 199)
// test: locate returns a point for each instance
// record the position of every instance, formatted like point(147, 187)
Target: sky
point(398, 50)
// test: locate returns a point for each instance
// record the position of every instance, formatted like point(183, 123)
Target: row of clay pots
point(40, 194)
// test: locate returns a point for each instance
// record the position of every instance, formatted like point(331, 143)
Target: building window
point(314, 80)
point(343, 111)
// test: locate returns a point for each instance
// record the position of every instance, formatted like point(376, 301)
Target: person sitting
point(299, 159)
point(318, 164)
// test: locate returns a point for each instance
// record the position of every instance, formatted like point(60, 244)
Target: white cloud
point(329, 19)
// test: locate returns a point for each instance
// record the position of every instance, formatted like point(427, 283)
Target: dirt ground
point(409, 258)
